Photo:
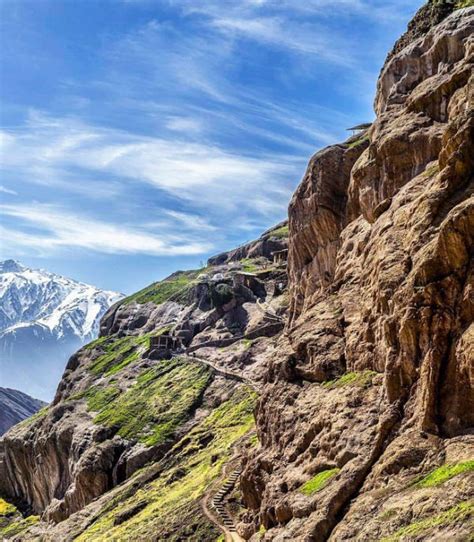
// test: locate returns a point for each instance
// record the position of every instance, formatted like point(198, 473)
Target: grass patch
point(162, 291)
point(249, 265)
point(253, 440)
point(247, 343)
point(7, 509)
point(457, 514)
point(281, 233)
point(172, 511)
point(356, 378)
point(431, 171)
point(118, 353)
point(17, 526)
point(358, 141)
point(388, 514)
point(152, 409)
point(318, 482)
point(99, 398)
point(97, 342)
point(444, 473)
point(42, 412)
point(12, 522)
point(464, 4)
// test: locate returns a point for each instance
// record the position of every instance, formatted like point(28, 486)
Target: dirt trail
point(212, 502)
point(229, 374)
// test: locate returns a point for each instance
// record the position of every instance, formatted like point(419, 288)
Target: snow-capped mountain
point(44, 318)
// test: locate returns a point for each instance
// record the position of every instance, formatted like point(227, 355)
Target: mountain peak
point(11, 266)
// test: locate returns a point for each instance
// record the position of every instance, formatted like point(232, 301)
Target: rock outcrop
point(376, 389)
point(125, 401)
point(365, 414)
point(271, 241)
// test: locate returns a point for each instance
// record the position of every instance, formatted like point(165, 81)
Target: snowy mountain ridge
point(63, 305)
point(44, 318)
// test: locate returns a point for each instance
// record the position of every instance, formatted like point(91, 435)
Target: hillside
point(16, 406)
point(327, 397)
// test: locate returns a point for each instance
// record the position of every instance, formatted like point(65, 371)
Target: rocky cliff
point(358, 356)
point(170, 384)
point(366, 423)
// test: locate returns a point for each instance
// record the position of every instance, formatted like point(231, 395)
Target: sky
point(139, 137)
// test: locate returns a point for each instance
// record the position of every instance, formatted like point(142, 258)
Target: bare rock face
point(317, 216)
point(365, 420)
point(373, 388)
point(271, 241)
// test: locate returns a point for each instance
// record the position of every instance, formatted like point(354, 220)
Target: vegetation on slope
point(167, 506)
point(118, 353)
point(461, 514)
point(356, 378)
point(281, 232)
point(12, 522)
point(152, 410)
point(319, 481)
point(164, 290)
point(445, 473)
point(359, 141)
point(464, 4)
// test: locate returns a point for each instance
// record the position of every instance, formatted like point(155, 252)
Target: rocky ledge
point(356, 359)
point(366, 423)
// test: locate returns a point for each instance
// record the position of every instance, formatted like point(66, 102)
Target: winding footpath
point(213, 503)
point(226, 373)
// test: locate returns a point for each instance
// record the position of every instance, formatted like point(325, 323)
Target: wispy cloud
point(189, 125)
point(47, 228)
point(9, 191)
point(197, 190)
point(304, 38)
point(187, 170)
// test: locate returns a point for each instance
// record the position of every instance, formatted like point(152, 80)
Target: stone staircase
point(218, 500)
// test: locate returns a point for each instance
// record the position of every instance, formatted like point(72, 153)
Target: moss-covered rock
point(12, 523)
point(319, 481)
point(164, 290)
point(161, 400)
point(167, 506)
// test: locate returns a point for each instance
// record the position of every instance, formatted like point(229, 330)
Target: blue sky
point(142, 136)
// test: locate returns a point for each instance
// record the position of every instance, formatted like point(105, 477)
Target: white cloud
point(186, 125)
point(57, 228)
point(303, 38)
point(205, 176)
point(196, 193)
point(6, 190)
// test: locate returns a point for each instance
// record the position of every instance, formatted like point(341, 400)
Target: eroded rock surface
point(123, 403)
point(377, 385)
point(363, 365)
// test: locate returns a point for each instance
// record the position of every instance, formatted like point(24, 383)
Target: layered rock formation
point(365, 411)
point(125, 401)
point(377, 386)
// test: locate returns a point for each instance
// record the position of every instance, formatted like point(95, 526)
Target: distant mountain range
point(44, 318)
point(16, 406)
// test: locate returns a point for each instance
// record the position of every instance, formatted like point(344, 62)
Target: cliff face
point(169, 384)
point(377, 386)
point(365, 407)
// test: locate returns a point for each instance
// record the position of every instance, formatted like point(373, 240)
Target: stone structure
point(280, 256)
